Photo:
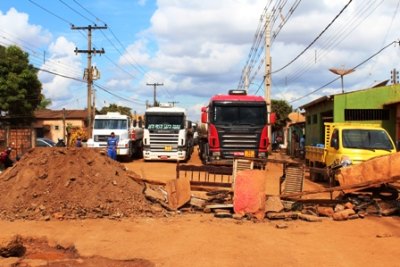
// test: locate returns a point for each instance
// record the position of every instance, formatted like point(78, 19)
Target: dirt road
point(203, 240)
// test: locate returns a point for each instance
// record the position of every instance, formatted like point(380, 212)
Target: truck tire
point(138, 147)
point(204, 153)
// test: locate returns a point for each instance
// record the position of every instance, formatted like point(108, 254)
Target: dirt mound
point(70, 183)
point(40, 252)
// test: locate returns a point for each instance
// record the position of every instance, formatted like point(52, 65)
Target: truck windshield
point(110, 124)
point(164, 121)
point(366, 139)
point(239, 114)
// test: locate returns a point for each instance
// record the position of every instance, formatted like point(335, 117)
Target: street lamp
point(341, 72)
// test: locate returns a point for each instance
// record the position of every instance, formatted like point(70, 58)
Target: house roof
point(330, 97)
point(59, 114)
point(317, 101)
point(296, 117)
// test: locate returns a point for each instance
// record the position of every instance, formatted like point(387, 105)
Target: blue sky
point(199, 48)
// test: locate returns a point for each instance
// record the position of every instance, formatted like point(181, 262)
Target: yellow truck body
point(350, 142)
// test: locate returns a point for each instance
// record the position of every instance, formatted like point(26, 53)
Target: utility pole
point(154, 93)
point(395, 76)
point(246, 79)
point(267, 76)
point(89, 69)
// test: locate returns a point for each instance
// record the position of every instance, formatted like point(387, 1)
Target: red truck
point(236, 125)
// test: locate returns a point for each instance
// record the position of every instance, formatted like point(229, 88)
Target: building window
point(366, 114)
point(308, 119)
point(56, 127)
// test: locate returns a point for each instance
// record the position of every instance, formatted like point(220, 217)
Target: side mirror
point(335, 143)
point(204, 117)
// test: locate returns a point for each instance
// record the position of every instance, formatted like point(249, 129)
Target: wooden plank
point(358, 186)
point(309, 218)
point(281, 215)
point(219, 206)
point(144, 180)
point(213, 184)
point(178, 192)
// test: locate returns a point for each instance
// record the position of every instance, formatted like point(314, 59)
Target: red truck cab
point(237, 126)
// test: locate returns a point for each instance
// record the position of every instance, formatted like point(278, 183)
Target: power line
point(48, 11)
point(335, 39)
point(316, 39)
point(95, 84)
point(76, 11)
point(120, 97)
point(88, 11)
point(355, 67)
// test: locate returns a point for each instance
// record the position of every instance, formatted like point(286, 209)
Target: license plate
point(249, 153)
point(168, 148)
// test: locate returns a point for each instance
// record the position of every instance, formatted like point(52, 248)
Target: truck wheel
point(204, 153)
point(138, 150)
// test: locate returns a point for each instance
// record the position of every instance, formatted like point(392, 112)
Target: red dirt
point(70, 183)
point(142, 238)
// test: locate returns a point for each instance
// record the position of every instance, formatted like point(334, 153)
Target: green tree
point(282, 109)
point(116, 108)
point(44, 103)
point(20, 88)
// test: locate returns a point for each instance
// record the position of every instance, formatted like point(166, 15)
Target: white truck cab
point(167, 134)
point(129, 138)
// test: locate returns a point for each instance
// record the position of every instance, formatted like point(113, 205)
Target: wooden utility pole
point(154, 92)
point(268, 73)
point(89, 74)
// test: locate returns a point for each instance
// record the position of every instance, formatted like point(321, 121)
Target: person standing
point(78, 142)
point(112, 143)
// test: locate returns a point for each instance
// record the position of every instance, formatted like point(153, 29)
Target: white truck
point(130, 137)
point(167, 134)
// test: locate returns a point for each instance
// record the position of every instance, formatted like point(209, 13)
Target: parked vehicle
point(167, 134)
point(129, 136)
point(345, 144)
point(5, 160)
point(60, 143)
point(44, 142)
point(236, 126)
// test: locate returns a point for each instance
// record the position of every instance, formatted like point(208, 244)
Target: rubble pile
point(71, 183)
point(351, 206)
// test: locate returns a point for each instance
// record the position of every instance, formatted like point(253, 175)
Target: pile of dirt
point(71, 183)
point(20, 251)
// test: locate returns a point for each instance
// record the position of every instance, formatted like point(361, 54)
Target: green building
point(374, 105)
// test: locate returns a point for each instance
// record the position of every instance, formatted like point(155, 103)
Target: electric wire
point(334, 40)
point(355, 67)
point(52, 13)
point(315, 40)
point(76, 11)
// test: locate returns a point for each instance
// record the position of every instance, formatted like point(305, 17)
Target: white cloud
point(62, 60)
point(15, 27)
point(198, 48)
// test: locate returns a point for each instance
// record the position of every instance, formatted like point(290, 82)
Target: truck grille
point(239, 141)
point(159, 142)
